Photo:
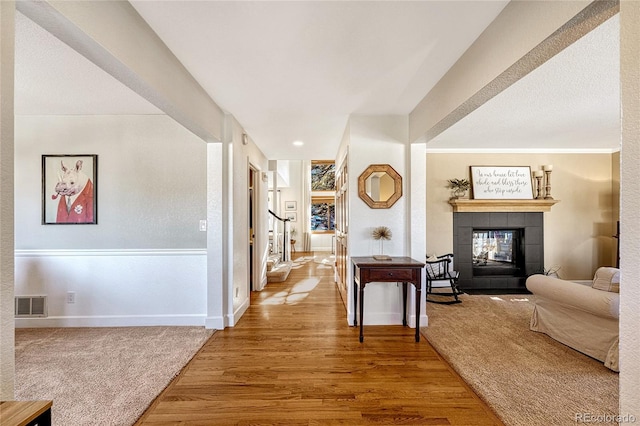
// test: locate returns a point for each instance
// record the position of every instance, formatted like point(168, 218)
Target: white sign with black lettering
point(501, 182)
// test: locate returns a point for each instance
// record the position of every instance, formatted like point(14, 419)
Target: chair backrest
point(436, 267)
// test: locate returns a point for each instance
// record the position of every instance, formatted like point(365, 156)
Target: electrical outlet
point(203, 225)
point(71, 297)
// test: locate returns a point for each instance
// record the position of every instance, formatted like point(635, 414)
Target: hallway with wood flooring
point(293, 360)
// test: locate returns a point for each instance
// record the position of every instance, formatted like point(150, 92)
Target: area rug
point(527, 378)
point(101, 376)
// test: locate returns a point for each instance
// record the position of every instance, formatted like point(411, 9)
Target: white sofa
point(577, 315)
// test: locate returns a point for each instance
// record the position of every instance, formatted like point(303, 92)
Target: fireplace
point(495, 252)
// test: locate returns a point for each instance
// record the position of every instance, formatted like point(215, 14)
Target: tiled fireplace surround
point(463, 224)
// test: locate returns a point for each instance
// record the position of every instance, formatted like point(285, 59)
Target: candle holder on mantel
point(538, 175)
point(547, 188)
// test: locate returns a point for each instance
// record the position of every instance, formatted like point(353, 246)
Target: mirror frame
point(397, 186)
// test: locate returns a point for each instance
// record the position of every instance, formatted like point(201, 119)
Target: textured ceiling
point(296, 71)
point(53, 79)
point(571, 102)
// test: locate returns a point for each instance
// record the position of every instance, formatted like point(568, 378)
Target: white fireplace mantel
point(464, 205)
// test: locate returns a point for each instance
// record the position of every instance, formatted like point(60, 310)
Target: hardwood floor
point(293, 360)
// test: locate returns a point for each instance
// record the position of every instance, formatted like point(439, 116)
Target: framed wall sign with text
point(501, 182)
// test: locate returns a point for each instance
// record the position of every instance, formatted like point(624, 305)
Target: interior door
point(342, 228)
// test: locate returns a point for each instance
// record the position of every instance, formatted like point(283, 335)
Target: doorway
point(251, 227)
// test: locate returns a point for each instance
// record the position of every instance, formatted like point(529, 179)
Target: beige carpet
point(101, 376)
point(526, 377)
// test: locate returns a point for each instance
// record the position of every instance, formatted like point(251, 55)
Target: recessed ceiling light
point(298, 143)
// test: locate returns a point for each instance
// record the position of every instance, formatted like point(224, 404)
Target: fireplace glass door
point(496, 252)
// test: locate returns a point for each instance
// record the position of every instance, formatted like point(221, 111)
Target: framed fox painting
point(69, 189)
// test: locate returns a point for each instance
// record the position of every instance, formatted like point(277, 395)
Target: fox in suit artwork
point(75, 190)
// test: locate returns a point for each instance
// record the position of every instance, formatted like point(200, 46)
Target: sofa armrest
point(580, 296)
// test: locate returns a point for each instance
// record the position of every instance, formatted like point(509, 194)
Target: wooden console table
point(397, 269)
point(25, 413)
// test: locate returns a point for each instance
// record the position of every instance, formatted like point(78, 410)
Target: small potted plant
point(459, 186)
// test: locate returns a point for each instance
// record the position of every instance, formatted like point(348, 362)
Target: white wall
point(294, 191)
point(377, 140)
point(228, 286)
point(324, 242)
point(7, 47)
point(114, 287)
point(242, 157)
point(151, 182)
point(630, 209)
point(145, 261)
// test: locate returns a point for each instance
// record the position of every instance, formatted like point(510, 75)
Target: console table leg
point(404, 304)
point(361, 313)
point(355, 304)
point(418, 298)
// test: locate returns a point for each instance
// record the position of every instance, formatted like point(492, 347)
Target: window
point(323, 205)
point(323, 215)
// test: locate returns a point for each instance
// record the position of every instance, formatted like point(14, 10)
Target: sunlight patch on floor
point(510, 299)
point(325, 259)
point(298, 293)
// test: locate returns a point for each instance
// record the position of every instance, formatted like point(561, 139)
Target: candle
point(538, 173)
point(547, 168)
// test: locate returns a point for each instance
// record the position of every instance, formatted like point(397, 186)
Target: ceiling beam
point(114, 36)
point(525, 35)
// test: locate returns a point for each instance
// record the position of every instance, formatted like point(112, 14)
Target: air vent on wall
point(31, 306)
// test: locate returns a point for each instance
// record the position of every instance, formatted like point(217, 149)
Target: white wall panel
point(378, 140)
point(7, 47)
point(151, 185)
point(630, 211)
point(114, 287)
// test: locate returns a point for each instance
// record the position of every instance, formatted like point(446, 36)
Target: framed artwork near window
point(292, 216)
point(70, 189)
point(323, 176)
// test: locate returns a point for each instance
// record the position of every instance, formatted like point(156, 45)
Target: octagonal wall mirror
point(380, 186)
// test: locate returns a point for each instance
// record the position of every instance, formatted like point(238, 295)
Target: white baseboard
point(239, 312)
point(214, 323)
point(112, 321)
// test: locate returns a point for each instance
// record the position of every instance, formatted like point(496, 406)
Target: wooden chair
point(440, 274)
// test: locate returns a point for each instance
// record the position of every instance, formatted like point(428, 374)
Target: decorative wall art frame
point(501, 182)
point(290, 206)
point(323, 175)
point(292, 216)
point(70, 189)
